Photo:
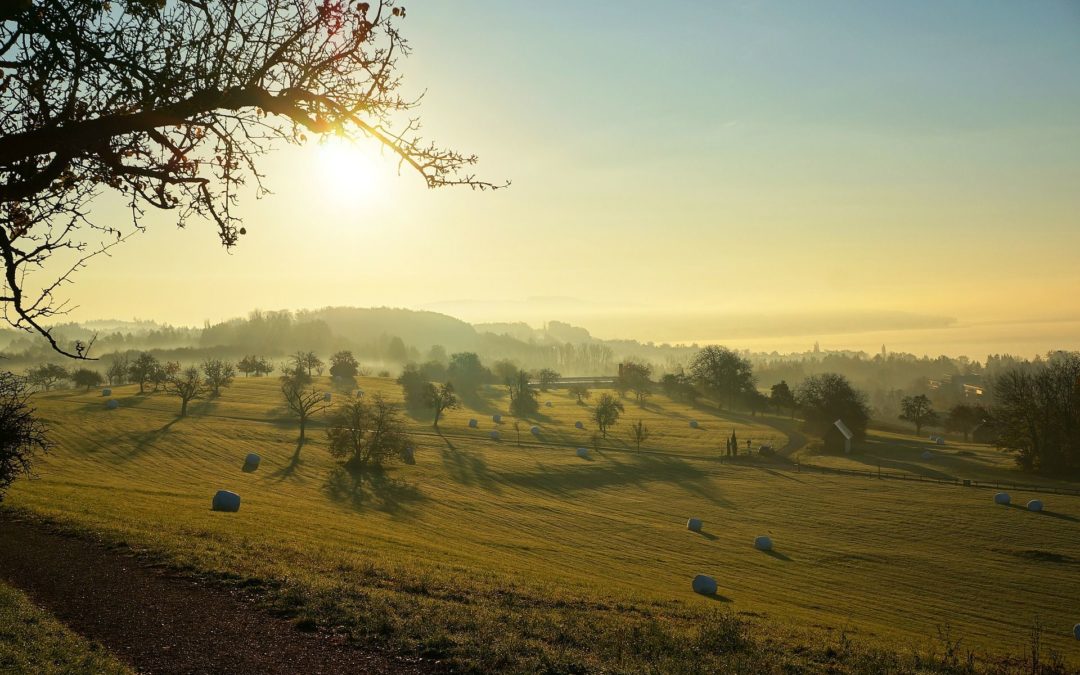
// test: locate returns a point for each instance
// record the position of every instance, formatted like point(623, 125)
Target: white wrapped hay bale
point(694, 524)
point(704, 584)
point(112, 404)
point(579, 425)
point(408, 455)
point(547, 404)
point(535, 431)
point(495, 435)
point(583, 453)
point(226, 501)
point(1002, 498)
point(327, 397)
point(763, 543)
point(693, 424)
point(496, 418)
point(927, 454)
point(473, 424)
point(1035, 505)
point(106, 392)
point(1076, 631)
point(940, 440)
point(252, 461)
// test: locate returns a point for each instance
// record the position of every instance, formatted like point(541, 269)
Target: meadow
point(500, 555)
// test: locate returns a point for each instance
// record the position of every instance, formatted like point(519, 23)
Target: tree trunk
point(183, 407)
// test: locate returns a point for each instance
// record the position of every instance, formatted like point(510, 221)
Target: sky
point(758, 173)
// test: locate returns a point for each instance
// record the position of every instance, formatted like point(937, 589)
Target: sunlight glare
point(346, 172)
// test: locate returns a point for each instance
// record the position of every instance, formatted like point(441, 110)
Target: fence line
point(965, 482)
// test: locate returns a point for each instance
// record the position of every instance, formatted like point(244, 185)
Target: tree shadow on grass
point(566, 480)
point(372, 490)
point(144, 441)
point(289, 470)
point(468, 469)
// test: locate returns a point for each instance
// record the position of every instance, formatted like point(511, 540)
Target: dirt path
point(162, 623)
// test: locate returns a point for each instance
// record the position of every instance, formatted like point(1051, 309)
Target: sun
point(345, 171)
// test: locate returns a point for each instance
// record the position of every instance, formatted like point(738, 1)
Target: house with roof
point(838, 437)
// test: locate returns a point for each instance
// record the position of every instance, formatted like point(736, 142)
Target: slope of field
point(31, 641)
point(489, 549)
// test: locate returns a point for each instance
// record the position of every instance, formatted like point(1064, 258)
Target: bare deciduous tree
point(171, 105)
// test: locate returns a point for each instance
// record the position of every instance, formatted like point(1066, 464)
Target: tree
point(919, 411)
point(187, 384)
point(396, 351)
point(263, 366)
point(117, 372)
point(306, 363)
point(84, 377)
point(366, 435)
point(580, 392)
point(163, 372)
point(782, 398)
point(546, 377)
point(343, 369)
point(22, 434)
point(523, 401)
point(143, 369)
point(639, 433)
point(963, 418)
point(466, 372)
point(441, 399)
point(606, 413)
point(755, 401)
point(1036, 414)
point(826, 398)
point(246, 365)
point(634, 377)
point(47, 376)
point(219, 374)
point(415, 388)
point(172, 105)
point(678, 387)
point(303, 402)
point(722, 374)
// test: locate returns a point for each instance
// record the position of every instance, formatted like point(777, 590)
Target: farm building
point(838, 437)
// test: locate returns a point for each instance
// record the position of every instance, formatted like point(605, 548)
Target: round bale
point(579, 425)
point(1002, 498)
point(327, 397)
point(408, 455)
point(251, 462)
point(535, 431)
point(583, 453)
point(226, 501)
point(112, 404)
point(106, 392)
point(1076, 631)
point(693, 424)
point(494, 435)
point(940, 440)
point(1035, 505)
point(704, 584)
point(927, 454)
point(763, 543)
point(496, 418)
point(694, 524)
point(472, 424)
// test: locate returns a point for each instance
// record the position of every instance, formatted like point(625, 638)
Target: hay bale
point(583, 453)
point(694, 524)
point(408, 455)
point(693, 424)
point(106, 392)
point(495, 435)
point(927, 454)
point(535, 431)
point(1076, 631)
point(579, 425)
point(496, 418)
point(473, 424)
point(940, 440)
point(251, 462)
point(1002, 498)
point(763, 543)
point(112, 404)
point(327, 397)
point(704, 584)
point(547, 404)
point(1035, 505)
point(226, 501)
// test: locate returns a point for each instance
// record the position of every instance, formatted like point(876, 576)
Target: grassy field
point(500, 556)
point(31, 641)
